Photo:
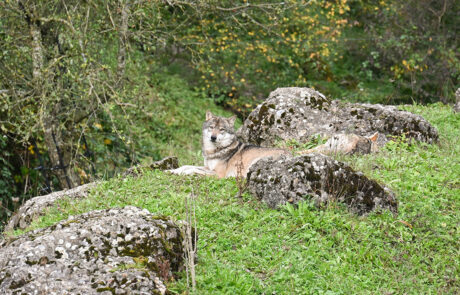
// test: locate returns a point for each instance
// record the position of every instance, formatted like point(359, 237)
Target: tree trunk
point(37, 52)
point(59, 154)
point(122, 42)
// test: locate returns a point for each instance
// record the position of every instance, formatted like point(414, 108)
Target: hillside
point(246, 248)
point(92, 89)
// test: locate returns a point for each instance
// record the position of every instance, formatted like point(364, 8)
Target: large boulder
point(37, 206)
point(116, 251)
point(298, 113)
point(319, 178)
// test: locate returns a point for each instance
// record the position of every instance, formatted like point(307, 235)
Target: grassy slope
point(171, 118)
point(246, 248)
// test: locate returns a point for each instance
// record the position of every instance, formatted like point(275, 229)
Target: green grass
point(246, 248)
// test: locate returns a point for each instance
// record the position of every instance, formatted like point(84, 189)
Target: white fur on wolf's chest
point(210, 147)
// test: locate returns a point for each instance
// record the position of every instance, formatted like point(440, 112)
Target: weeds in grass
point(240, 179)
point(294, 146)
point(190, 241)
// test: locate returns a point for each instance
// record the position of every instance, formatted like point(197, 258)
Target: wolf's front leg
point(187, 170)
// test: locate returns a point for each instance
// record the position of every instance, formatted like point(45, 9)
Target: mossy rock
point(301, 113)
point(116, 251)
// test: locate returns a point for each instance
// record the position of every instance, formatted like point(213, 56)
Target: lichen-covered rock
point(457, 101)
point(164, 164)
point(36, 206)
point(116, 251)
point(319, 178)
point(298, 113)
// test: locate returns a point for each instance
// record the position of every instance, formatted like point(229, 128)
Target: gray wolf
point(226, 156)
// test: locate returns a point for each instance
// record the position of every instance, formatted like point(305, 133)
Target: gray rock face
point(117, 251)
point(457, 101)
point(316, 177)
point(298, 113)
point(164, 164)
point(38, 205)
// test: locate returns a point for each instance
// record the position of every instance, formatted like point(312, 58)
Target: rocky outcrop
point(116, 251)
point(298, 113)
point(457, 101)
point(37, 206)
point(164, 164)
point(319, 178)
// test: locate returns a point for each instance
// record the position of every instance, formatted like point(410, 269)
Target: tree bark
point(37, 52)
point(59, 154)
point(122, 42)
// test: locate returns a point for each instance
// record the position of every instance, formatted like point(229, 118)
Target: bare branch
point(249, 5)
point(110, 17)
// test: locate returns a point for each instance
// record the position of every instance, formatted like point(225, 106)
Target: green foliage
point(245, 52)
point(408, 46)
point(246, 248)
point(374, 51)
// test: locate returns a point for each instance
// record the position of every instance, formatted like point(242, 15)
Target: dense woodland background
point(88, 88)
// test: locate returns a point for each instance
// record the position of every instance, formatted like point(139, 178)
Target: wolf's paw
point(188, 170)
point(184, 170)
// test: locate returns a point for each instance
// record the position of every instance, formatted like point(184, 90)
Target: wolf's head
point(218, 132)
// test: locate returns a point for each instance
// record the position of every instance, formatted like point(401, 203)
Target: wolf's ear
point(374, 137)
point(209, 115)
point(231, 120)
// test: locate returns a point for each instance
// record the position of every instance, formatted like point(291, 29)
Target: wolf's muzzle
point(213, 138)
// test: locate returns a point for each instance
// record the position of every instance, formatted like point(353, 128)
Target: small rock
point(457, 101)
point(164, 164)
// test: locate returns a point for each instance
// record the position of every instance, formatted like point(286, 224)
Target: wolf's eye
point(221, 129)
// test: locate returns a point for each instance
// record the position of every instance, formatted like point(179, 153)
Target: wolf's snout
point(213, 138)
